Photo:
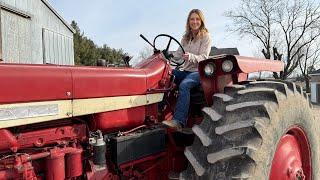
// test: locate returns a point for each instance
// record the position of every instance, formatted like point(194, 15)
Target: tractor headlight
point(209, 69)
point(227, 66)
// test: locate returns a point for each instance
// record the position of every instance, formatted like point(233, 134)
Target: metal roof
point(316, 72)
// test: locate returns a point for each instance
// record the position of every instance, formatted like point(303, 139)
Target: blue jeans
point(186, 81)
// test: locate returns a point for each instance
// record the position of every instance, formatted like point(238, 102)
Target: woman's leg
point(182, 107)
point(179, 76)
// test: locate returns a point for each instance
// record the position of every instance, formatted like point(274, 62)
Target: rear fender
point(242, 66)
point(249, 64)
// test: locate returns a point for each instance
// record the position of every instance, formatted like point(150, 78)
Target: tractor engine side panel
point(29, 83)
point(118, 120)
point(106, 82)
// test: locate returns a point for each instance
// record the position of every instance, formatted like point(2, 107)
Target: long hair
point(202, 31)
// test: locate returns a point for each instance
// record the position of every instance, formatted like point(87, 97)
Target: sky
point(118, 23)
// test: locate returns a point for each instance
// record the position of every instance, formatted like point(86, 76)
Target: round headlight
point(209, 69)
point(227, 66)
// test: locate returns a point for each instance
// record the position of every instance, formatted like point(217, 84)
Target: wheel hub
point(292, 157)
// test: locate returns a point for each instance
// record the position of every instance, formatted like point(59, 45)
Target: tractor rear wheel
point(258, 130)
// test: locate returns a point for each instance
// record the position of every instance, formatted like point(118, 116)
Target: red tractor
point(66, 122)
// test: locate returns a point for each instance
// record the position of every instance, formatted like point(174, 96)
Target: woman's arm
point(204, 51)
point(177, 55)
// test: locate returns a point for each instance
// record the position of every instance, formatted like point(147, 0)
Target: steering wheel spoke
point(175, 62)
point(167, 49)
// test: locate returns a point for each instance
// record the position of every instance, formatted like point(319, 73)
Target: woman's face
point(194, 22)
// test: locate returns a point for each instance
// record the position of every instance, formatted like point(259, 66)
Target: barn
point(32, 32)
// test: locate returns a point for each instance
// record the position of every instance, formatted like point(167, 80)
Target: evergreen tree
point(86, 52)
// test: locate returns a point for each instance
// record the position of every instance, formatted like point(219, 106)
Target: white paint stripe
point(154, 98)
point(78, 107)
point(96, 105)
point(64, 111)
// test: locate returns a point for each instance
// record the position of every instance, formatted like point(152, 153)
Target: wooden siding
point(315, 78)
point(57, 48)
point(15, 38)
point(22, 40)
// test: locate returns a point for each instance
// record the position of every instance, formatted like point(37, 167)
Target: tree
point(77, 38)
point(113, 56)
point(311, 55)
point(145, 53)
point(282, 27)
point(86, 52)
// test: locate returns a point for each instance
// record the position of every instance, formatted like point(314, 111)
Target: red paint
point(9, 174)
point(148, 167)
point(51, 82)
point(249, 64)
point(242, 77)
point(55, 165)
point(74, 163)
point(40, 138)
point(58, 163)
point(292, 157)
point(35, 156)
point(106, 82)
point(156, 72)
point(118, 120)
point(67, 162)
point(242, 66)
point(215, 83)
point(7, 140)
point(18, 170)
point(28, 83)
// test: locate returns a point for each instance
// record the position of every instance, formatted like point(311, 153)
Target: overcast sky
point(118, 23)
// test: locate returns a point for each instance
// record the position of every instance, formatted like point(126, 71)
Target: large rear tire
point(240, 133)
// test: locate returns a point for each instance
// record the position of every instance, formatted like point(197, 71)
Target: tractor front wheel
point(258, 130)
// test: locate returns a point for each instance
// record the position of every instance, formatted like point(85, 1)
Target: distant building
point(315, 86)
point(218, 51)
point(33, 32)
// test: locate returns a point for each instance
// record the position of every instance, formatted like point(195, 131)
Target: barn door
point(15, 36)
point(57, 48)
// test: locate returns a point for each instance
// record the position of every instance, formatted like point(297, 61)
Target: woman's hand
point(185, 56)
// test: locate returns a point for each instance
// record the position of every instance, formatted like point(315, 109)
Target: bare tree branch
point(286, 29)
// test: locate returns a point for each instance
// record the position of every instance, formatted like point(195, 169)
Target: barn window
point(57, 48)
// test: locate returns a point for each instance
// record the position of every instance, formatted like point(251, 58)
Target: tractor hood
point(38, 93)
point(30, 83)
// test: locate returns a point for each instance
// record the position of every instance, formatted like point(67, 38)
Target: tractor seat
point(197, 96)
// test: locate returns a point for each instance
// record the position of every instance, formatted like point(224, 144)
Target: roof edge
point(56, 13)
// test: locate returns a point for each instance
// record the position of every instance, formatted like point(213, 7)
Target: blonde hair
point(202, 31)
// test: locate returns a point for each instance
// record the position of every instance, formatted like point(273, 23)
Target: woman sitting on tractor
point(197, 45)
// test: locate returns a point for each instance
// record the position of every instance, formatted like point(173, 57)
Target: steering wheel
point(166, 51)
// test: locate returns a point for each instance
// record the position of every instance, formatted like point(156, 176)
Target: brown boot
point(172, 124)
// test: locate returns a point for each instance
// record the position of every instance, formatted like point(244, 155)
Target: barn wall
point(23, 37)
